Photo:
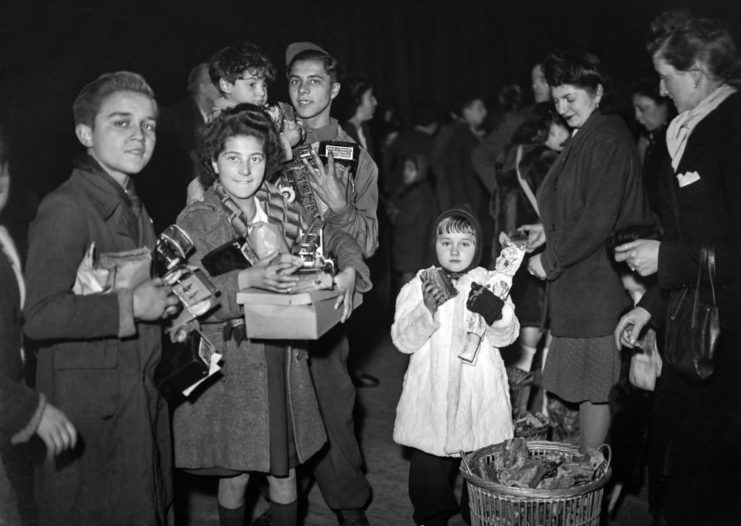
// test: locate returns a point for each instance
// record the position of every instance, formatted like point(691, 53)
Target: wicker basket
point(496, 505)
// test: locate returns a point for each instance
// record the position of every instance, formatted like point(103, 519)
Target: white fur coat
point(446, 405)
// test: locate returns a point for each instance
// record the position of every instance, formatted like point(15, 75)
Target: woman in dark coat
point(697, 426)
point(98, 352)
point(593, 189)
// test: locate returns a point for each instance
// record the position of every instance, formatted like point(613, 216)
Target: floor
point(387, 465)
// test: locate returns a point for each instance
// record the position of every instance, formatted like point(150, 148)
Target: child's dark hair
point(535, 129)
point(464, 99)
point(243, 119)
point(91, 97)
point(455, 224)
point(331, 64)
point(231, 62)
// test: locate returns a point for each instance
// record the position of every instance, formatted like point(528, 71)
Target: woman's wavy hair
point(682, 39)
point(243, 119)
point(581, 70)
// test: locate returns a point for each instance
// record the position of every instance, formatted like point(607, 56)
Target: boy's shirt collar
point(325, 133)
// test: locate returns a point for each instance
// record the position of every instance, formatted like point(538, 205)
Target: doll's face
point(455, 250)
point(241, 166)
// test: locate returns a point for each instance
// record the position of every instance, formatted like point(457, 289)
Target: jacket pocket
point(87, 379)
point(95, 354)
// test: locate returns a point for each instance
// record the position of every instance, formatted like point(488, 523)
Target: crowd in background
point(616, 183)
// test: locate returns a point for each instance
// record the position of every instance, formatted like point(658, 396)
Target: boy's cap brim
point(295, 48)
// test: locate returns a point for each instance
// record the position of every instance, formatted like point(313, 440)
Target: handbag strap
point(523, 183)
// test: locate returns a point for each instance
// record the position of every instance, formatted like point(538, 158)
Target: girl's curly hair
point(243, 119)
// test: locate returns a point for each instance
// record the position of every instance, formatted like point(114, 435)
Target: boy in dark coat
point(97, 352)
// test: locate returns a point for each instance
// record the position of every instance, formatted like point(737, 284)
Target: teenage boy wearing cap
point(351, 201)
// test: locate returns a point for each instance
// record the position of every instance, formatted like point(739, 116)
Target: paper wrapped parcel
point(500, 283)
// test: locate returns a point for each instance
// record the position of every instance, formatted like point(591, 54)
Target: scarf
point(683, 124)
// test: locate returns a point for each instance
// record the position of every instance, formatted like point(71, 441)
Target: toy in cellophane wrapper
point(500, 283)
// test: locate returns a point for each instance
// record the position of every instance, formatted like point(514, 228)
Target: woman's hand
point(535, 235)
point(328, 182)
point(641, 255)
point(345, 283)
point(630, 326)
point(274, 272)
point(535, 267)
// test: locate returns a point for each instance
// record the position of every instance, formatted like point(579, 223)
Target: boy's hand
point(345, 283)
point(153, 300)
point(484, 302)
point(329, 185)
point(56, 431)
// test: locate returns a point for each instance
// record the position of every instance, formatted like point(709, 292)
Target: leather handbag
point(693, 326)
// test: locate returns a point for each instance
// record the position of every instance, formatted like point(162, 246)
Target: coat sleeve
point(413, 323)
point(348, 254)
point(607, 167)
point(20, 409)
point(506, 329)
point(359, 216)
point(58, 240)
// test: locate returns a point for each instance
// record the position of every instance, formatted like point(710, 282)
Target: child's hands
point(274, 272)
point(429, 297)
point(345, 283)
point(484, 302)
point(56, 430)
point(329, 182)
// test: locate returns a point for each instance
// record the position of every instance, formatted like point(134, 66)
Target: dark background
point(413, 49)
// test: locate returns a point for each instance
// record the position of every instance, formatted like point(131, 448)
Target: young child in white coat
point(447, 404)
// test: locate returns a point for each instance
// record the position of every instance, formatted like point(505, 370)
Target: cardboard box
point(303, 316)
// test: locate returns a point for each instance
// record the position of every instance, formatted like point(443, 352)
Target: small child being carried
point(449, 404)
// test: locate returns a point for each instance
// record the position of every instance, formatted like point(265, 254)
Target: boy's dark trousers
point(432, 489)
point(338, 468)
